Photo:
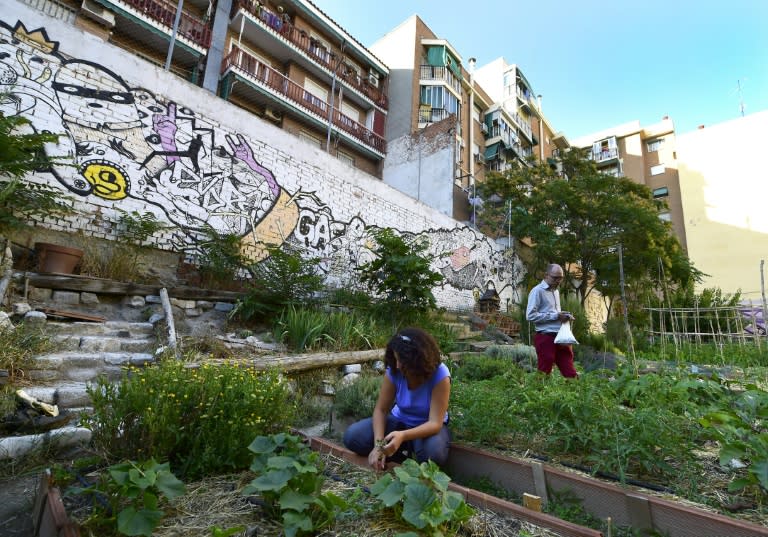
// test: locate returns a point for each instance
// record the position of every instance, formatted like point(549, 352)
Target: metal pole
point(333, 90)
point(173, 35)
point(624, 302)
point(762, 290)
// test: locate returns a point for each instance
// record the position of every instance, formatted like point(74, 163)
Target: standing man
point(544, 311)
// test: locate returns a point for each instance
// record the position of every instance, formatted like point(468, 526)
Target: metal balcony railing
point(315, 50)
point(190, 26)
point(603, 155)
point(442, 74)
point(432, 115)
point(277, 82)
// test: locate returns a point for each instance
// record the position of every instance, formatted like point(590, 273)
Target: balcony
point(190, 28)
point(276, 86)
point(277, 26)
point(427, 114)
point(604, 156)
point(440, 74)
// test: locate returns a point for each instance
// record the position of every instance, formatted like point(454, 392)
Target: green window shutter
point(436, 56)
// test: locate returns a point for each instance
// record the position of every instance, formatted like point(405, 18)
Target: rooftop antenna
point(741, 97)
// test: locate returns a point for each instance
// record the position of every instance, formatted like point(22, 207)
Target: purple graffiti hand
point(244, 152)
point(165, 126)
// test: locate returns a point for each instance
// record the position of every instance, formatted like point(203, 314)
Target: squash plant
point(418, 493)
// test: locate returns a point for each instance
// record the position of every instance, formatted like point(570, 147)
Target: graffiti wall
point(140, 139)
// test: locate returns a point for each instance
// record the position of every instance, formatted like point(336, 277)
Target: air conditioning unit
point(484, 128)
point(373, 79)
point(97, 13)
point(274, 115)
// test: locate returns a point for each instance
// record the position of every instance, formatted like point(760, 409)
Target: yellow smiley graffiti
point(109, 180)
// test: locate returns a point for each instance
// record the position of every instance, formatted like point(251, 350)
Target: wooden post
point(169, 320)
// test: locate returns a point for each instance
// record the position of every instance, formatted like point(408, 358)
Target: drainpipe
point(472, 62)
point(541, 130)
point(333, 91)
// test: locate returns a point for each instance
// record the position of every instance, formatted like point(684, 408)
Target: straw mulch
point(218, 502)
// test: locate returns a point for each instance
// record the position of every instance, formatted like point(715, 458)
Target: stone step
point(72, 342)
point(67, 395)
point(15, 447)
point(125, 329)
point(83, 366)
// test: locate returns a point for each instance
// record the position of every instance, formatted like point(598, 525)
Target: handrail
point(279, 83)
point(190, 27)
point(313, 48)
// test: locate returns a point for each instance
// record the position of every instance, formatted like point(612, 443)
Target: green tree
point(401, 274)
point(22, 151)
point(580, 217)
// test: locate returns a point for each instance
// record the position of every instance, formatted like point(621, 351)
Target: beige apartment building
point(647, 155)
point(284, 61)
point(496, 115)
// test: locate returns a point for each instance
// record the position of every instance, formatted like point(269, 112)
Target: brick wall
point(140, 139)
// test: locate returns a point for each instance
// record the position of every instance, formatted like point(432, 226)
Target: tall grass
point(311, 329)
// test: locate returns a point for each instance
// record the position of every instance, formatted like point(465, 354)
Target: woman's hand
point(376, 458)
point(393, 442)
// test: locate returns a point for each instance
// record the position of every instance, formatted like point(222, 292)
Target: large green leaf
point(170, 485)
point(760, 470)
point(392, 494)
point(419, 500)
point(275, 481)
point(295, 501)
point(141, 522)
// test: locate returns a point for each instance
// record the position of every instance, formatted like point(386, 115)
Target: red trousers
point(550, 354)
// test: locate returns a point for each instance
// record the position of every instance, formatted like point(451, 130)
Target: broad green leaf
point(275, 480)
point(170, 485)
point(733, 450)
point(760, 470)
point(738, 484)
point(295, 501)
point(150, 501)
point(381, 484)
point(392, 494)
point(281, 461)
point(418, 501)
point(142, 522)
point(263, 444)
point(293, 522)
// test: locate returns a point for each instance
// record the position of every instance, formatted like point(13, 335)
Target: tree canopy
point(578, 217)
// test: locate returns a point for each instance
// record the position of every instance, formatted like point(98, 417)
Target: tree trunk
point(302, 362)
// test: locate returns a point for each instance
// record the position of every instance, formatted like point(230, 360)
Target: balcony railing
point(279, 83)
point(441, 74)
point(313, 48)
point(432, 115)
point(603, 155)
point(190, 26)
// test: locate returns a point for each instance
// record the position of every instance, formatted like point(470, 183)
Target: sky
point(599, 64)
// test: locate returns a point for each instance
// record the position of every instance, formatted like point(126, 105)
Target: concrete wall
point(724, 189)
point(140, 139)
point(421, 165)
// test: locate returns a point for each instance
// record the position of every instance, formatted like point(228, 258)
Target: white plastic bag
point(565, 336)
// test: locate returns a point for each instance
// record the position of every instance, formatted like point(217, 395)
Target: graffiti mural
point(124, 143)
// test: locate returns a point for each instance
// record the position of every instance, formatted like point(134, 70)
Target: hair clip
point(405, 338)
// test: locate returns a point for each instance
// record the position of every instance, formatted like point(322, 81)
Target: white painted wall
point(120, 117)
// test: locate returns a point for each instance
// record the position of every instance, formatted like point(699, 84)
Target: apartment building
point(648, 156)
point(285, 61)
point(515, 127)
point(430, 82)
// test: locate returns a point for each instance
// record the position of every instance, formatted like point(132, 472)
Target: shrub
point(473, 368)
point(400, 276)
point(357, 399)
point(284, 278)
point(221, 260)
point(307, 329)
point(201, 420)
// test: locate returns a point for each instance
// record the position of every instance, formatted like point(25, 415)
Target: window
point(345, 157)
point(315, 94)
point(661, 192)
point(442, 102)
point(350, 111)
point(309, 138)
point(319, 48)
point(654, 145)
point(658, 169)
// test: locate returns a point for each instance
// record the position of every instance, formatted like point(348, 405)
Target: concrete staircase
point(84, 352)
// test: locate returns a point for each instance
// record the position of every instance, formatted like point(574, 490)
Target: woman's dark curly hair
point(417, 351)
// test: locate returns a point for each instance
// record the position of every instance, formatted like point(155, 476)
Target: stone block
point(89, 298)
point(35, 318)
point(135, 301)
point(66, 297)
point(183, 304)
point(39, 294)
point(21, 308)
point(224, 306)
